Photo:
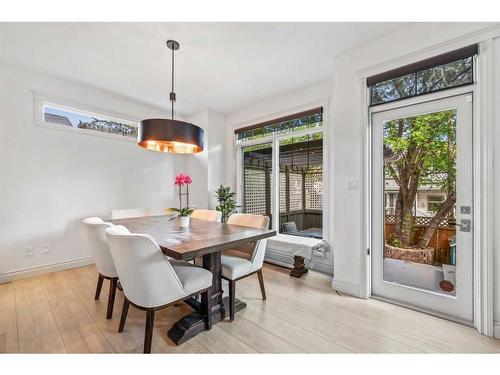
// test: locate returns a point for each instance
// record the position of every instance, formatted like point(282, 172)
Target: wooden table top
point(200, 238)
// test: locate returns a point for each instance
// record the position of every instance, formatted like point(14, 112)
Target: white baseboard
point(279, 258)
point(347, 288)
point(39, 270)
point(321, 267)
point(496, 330)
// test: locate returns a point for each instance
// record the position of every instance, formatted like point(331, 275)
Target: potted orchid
point(183, 212)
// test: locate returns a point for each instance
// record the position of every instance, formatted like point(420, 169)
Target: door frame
point(410, 110)
point(483, 124)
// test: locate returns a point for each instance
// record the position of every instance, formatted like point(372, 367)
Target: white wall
point(207, 167)
point(52, 179)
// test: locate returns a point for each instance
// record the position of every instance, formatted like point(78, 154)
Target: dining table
point(202, 238)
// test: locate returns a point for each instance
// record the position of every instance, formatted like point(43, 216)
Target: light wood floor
point(56, 313)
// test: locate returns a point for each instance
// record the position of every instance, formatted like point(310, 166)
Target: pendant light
point(172, 135)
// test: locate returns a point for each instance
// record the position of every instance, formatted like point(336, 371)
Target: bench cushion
point(293, 245)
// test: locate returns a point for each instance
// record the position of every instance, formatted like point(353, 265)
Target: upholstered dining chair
point(210, 215)
point(235, 268)
point(150, 280)
point(130, 213)
point(98, 246)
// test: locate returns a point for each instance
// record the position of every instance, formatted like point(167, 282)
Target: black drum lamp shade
point(170, 135)
point(175, 136)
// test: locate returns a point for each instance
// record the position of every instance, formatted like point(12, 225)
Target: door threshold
point(424, 310)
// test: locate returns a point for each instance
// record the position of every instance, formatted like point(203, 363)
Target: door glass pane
point(301, 186)
point(257, 174)
point(420, 194)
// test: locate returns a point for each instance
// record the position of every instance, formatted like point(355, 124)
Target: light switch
point(353, 185)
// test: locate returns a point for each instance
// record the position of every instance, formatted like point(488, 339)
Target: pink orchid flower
point(182, 179)
point(179, 180)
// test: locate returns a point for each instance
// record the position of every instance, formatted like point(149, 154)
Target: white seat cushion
point(234, 267)
point(192, 278)
point(293, 245)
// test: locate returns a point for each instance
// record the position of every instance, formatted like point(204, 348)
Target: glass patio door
point(422, 239)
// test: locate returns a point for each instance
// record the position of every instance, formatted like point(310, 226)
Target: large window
point(441, 72)
point(297, 142)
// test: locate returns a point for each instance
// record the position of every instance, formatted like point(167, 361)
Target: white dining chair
point(98, 246)
point(130, 213)
point(210, 215)
point(235, 268)
point(150, 280)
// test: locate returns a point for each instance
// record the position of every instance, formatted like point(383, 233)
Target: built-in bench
point(301, 248)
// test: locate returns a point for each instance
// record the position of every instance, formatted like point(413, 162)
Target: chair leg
point(261, 283)
point(208, 310)
point(232, 287)
point(111, 297)
point(99, 286)
point(148, 337)
point(123, 318)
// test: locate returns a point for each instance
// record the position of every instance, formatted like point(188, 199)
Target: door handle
point(465, 225)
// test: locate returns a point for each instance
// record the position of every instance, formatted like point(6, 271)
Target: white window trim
point(41, 100)
point(275, 139)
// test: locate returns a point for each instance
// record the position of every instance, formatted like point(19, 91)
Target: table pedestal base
point(194, 323)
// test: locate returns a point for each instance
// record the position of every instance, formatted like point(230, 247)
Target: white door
point(422, 249)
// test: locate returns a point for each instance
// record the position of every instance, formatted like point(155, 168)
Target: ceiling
point(220, 66)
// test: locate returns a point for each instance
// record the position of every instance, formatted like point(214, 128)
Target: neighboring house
point(427, 202)
point(57, 119)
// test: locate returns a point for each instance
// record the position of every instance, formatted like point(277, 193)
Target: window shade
point(298, 121)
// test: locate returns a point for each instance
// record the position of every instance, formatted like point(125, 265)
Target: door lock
point(465, 225)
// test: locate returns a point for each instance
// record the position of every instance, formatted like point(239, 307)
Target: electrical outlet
point(28, 251)
point(45, 249)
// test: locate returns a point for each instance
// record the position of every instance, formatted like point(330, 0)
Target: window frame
point(442, 198)
point(275, 139)
point(41, 101)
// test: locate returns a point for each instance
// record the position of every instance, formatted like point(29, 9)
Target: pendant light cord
point(172, 94)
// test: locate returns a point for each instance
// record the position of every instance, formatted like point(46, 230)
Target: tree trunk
point(407, 222)
point(396, 229)
point(443, 211)
point(407, 214)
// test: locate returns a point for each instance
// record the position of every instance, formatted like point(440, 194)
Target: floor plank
point(9, 342)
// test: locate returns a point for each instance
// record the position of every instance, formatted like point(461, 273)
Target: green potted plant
point(227, 204)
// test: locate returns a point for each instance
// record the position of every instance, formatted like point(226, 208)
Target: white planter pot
point(183, 221)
